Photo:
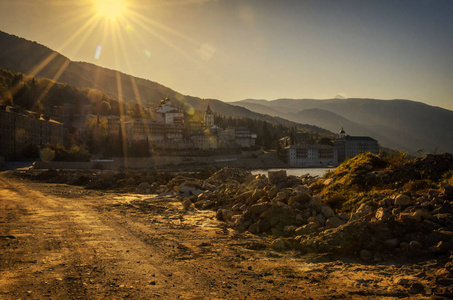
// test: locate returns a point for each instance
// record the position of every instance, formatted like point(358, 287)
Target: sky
point(236, 49)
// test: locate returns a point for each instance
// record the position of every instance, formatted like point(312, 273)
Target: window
point(301, 153)
point(325, 153)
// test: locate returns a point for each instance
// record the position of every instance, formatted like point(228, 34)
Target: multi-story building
point(226, 138)
point(244, 137)
point(168, 114)
point(21, 128)
point(312, 155)
point(168, 125)
point(350, 146)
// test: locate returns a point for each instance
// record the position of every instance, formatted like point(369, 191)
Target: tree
point(325, 141)
point(97, 129)
point(266, 136)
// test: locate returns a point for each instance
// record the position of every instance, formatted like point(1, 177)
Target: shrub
point(396, 158)
point(448, 177)
point(417, 185)
point(75, 153)
point(335, 200)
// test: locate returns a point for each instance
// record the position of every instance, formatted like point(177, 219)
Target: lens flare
point(110, 9)
point(98, 52)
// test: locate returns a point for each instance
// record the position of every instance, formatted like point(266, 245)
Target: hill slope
point(20, 55)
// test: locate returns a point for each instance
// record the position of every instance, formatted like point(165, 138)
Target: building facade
point(169, 130)
point(244, 138)
point(312, 155)
point(349, 146)
point(20, 129)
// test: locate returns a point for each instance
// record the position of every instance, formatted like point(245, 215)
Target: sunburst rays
point(114, 22)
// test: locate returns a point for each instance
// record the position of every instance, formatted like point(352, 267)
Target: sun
point(110, 9)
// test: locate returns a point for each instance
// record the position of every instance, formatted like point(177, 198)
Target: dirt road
point(65, 242)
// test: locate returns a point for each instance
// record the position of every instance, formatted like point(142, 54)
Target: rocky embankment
point(405, 214)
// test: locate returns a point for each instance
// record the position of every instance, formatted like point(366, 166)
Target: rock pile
point(410, 223)
point(407, 224)
point(281, 205)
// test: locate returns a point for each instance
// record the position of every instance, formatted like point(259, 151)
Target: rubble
point(405, 223)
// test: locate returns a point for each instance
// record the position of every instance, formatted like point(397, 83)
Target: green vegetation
point(369, 177)
point(448, 177)
point(49, 97)
point(74, 153)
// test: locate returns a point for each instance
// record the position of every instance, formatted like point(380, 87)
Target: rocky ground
point(228, 234)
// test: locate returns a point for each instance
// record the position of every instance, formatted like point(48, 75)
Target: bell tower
point(208, 118)
point(342, 133)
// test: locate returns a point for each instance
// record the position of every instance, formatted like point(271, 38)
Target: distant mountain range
point(20, 55)
point(396, 124)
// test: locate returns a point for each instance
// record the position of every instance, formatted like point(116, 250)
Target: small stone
point(272, 192)
point(321, 219)
point(186, 204)
point(412, 217)
point(334, 222)
point(281, 196)
point(327, 212)
point(382, 214)
point(143, 188)
point(257, 209)
point(300, 197)
point(362, 211)
point(402, 281)
point(278, 244)
point(276, 176)
point(416, 288)
point(402, 200)
point(449, 266)
point(289, 229)
point(316, 202)
point(254, 228)
point(344, 216)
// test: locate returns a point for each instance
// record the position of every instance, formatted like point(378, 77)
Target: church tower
point(342, 133)
point(208, 118)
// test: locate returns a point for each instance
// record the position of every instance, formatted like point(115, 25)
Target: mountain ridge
point(413, 125)
point(20, 55)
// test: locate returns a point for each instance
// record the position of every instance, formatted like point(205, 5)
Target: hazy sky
point(236, 49)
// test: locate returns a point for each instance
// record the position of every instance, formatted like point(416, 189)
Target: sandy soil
point(64, 242)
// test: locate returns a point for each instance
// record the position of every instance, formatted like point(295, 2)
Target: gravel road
point(64, 242)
